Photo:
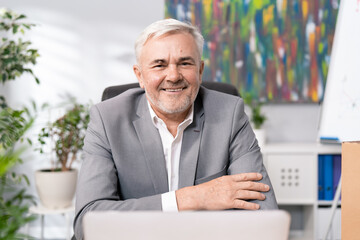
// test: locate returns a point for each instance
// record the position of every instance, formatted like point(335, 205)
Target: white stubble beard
point(183, 107)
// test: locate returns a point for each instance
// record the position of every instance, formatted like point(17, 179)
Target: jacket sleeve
point(98, 185)
point(245, 155)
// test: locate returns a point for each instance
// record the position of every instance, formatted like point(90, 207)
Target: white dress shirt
point(172, 150)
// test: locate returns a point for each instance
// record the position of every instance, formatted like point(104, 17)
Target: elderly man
point(171, 145)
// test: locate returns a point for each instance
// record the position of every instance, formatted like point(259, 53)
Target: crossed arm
point(226, 192)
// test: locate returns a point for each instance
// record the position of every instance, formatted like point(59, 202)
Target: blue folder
point(328, 177)
point(321, 177)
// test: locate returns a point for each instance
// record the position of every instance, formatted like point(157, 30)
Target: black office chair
point(113, 91)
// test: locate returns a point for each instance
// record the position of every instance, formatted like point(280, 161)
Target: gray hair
point(165, 26)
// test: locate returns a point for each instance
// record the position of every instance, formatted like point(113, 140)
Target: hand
point(225, 192)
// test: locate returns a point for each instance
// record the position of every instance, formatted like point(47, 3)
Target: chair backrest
point(113, 91)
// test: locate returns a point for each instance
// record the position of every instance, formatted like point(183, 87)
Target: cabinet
point(293, 170)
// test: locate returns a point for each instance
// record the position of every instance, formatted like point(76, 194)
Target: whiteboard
point(340, 116)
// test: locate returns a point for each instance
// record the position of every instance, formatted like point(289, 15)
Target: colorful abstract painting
point(278, 50)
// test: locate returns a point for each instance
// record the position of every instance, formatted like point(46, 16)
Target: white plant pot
point(260, 136)
point(56, 189)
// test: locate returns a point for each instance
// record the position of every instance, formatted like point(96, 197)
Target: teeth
point(174, 90)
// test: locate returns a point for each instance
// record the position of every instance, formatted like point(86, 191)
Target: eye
point(186, 63)
point(159, 66)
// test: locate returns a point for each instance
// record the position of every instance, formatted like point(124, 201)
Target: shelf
point(293, 170)
point(306, 202)
point(302, 148)
point(327, 203)
point(296, 202)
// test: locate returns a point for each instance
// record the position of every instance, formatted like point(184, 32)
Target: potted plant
point(65, 136)
point(257, 118)
point(16, 57)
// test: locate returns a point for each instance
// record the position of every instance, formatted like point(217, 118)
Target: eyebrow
point(157, 61)
point(182, 59)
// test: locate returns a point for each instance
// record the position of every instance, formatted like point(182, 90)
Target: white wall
point(292, 122)
point(86, 46)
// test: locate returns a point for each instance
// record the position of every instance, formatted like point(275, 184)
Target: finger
point(241, 204)
point(248, 195)
point(247, 177)
point(253, 186)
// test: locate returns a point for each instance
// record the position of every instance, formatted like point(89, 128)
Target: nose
point(173, 73)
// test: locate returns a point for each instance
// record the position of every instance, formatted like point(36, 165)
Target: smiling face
point(170, 71)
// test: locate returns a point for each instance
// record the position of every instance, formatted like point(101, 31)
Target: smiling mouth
point(173, 89)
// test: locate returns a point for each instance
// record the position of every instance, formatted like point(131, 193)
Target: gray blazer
point(124, 166)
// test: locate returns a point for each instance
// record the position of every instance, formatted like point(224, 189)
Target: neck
point(173, 120)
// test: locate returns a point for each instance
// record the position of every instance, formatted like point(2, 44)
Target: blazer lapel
point(190, 147)
point(152, 147)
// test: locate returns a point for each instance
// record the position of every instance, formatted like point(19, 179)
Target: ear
point(138, 75)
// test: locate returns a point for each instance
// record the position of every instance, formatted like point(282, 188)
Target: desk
point(42, 211)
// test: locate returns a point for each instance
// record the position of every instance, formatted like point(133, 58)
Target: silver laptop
point(209, 225)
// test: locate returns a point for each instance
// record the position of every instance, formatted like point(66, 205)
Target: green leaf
point(22, 16)
point(27, 26)
point(26, 179)
point(8, 15)
point(15, 28)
